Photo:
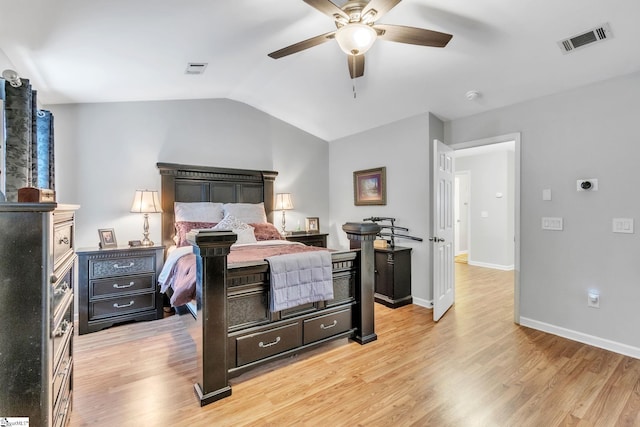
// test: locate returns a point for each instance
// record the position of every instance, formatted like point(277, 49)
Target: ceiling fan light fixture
point(355, 38)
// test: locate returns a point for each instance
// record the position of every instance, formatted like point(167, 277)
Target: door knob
point(435, 239)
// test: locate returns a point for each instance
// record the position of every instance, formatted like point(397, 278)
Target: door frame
point(516, 186)
point(467, 175)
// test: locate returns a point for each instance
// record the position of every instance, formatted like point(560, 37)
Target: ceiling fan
point(357, 31)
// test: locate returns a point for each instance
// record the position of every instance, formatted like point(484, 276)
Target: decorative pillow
point(198, 211)
point(246, 212)
point(266, 231)
point(242, 229)
point(183, 227)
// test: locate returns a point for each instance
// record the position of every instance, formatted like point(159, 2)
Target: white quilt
point(300, 278)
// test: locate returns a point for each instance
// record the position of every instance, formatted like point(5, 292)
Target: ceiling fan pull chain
point(353, 79)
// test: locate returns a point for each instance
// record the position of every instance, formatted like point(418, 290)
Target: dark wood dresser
point(37, 261)
point(393, 276)
point(118, 285)
point(309, 239)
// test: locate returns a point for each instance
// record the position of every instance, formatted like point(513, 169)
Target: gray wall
point(491, 237)
point(104, 152)
point(592, 132)
point(403, 148)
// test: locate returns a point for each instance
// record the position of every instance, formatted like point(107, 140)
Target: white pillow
point(246, 212)
point(198, 211)
point(243, 230)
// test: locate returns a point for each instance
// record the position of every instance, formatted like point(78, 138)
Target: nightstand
point(309, 239)
point(118, 285)
point(393, 276)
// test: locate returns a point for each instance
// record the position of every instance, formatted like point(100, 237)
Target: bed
point(230, 320)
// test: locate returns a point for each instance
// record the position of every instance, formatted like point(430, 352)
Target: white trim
point(489, 265)
point(516, 185)
point(423, 302)
point(616, 347)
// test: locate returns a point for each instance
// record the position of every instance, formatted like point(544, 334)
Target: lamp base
point(146, 242)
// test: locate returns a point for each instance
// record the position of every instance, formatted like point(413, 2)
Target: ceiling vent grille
point(196, 67)
point(594, 35)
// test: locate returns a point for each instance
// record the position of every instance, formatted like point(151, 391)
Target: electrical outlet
point(593, 300)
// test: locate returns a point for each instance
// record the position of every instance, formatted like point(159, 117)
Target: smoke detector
point(594, 35)
point(472, 95)
point(196, 67)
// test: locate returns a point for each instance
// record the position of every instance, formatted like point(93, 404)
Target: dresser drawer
point(122, 305)
point(62, 372)
point(121, 266)
point(62, 242)
point(325, 326)
point(61, 333)
point(62, 408)
point(120, 285)
point(62, 289)
point(250, 348)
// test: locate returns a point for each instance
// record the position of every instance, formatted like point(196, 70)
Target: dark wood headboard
point(186, 183)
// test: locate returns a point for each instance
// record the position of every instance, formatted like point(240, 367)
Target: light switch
point(546, 194)
point(484, 214)
point(549, 223)
point(623, 225)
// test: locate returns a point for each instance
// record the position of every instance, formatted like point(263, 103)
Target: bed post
point(211, 318)
point(365, 234)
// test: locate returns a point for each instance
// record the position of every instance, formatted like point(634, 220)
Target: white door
point(443, 229)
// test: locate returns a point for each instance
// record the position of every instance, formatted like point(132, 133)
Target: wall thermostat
point(589, 184)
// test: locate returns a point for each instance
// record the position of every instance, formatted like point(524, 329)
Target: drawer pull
point(63, 288)
point(263, 345)
point(64, 327)
point(116, 305)
point(64, 240)
point(115, 285)
point(131, 264)
point(335, 322)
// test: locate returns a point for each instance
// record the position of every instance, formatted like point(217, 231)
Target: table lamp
point(283, 203)
point(146, 202)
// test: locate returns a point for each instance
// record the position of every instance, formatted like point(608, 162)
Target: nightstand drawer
point(120, 285)
point(123, 305)
point(325, 326)
point(267, 343)
point(121, 266)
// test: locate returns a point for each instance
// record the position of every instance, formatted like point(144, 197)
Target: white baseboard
point(423, 302)
point(616, 347)
point(494, 266)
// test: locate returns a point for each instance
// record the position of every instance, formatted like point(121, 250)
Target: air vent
point(594, 35)
point(196, 67)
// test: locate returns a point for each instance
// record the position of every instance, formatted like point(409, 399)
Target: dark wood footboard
point(234, 329)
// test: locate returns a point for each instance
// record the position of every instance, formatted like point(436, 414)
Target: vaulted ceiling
point(78, 51)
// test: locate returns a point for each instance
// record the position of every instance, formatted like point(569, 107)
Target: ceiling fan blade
point(411, 35)
point(381, 7)
point(356, 65)
point(300, 46)
point(328, 8)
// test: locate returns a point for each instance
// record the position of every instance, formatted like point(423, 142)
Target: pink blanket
point(182, 277)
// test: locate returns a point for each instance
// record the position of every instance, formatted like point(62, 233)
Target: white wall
point(491, 236)
point(591, 132)
point(104, 152)
point(403, 148)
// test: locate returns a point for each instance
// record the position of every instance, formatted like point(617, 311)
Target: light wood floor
point(473, 368)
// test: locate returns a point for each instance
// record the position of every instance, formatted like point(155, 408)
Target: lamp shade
point(146, 201)
point(355, 38)
point(283, 202)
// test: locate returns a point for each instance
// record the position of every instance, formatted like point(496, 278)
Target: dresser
point(37, 261)
point(393, 276)
point(118, 285)
point(309, 239)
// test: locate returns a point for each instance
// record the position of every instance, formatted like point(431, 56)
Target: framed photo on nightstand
point(312, 225)
point(107, 238)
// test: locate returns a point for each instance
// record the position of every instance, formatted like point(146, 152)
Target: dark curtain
point(29, 141)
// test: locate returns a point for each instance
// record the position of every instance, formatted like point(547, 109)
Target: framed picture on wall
point(370, 187)
point(312, 225)
point(107, 238)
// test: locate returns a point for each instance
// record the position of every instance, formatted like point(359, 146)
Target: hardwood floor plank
point(473, 368)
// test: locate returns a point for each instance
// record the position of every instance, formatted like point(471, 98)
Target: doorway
point(490, 144)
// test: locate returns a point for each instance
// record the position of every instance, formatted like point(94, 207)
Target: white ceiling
point(78, 51)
